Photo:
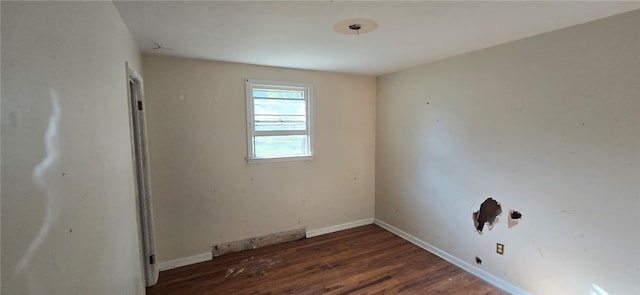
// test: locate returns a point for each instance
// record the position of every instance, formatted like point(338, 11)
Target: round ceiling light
point(356, 26)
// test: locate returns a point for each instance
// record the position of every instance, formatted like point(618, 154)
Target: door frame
point(144, 208)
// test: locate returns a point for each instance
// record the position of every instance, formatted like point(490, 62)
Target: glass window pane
point(280, 123)
point(276, 93)
point(278, 146)
point(262, 106)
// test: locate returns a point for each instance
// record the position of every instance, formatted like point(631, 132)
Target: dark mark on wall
point(478, 260)
point(488, 213)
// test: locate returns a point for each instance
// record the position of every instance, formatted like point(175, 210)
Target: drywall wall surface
point(547, 126)
point(204, 191)
point(69, 223)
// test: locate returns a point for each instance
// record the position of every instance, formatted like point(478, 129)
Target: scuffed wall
point(204, 191)
point(548, 126)
point(68, 204)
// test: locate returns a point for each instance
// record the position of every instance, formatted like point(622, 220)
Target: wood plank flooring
point(364, 260)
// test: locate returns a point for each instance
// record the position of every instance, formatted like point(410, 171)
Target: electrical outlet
point(500, 249)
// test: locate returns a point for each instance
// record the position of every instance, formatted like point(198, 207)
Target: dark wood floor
point(364, 260)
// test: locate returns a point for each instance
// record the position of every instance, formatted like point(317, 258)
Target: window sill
point(279, 159)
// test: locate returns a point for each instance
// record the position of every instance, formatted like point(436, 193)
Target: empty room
point(320, 147)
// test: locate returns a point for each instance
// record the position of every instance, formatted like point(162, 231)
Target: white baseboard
point(489, 278)
point(338, 227)
point(184, 261)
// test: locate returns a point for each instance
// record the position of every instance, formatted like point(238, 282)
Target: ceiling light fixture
point(355, 26)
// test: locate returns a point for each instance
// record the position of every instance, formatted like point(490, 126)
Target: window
point(278, 120)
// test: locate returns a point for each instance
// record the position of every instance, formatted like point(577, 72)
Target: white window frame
point(252, 133)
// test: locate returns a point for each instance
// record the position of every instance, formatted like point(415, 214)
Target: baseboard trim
point(489, 278)
point(338, 227)
point(184, 261)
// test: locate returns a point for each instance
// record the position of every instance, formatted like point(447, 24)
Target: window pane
point(276, 93)
point(262, 106)
point(280, 123)
point(277, 146)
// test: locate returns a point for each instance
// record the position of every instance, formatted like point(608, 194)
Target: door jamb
point(144, 209)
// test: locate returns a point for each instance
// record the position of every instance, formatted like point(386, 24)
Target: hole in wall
point(515, 214)
point(514, 218)
point(488, 213)
point(478, 260)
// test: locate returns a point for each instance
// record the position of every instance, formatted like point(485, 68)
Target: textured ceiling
point(300, 34)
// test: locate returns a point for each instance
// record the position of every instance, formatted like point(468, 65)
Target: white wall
point(205, 192)
point(547, 125)
point(76, 51)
